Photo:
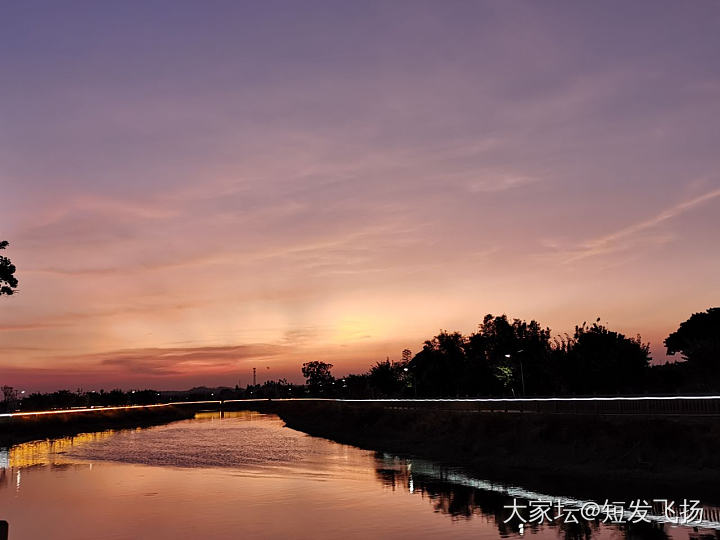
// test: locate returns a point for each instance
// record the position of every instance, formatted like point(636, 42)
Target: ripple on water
point(208, 441)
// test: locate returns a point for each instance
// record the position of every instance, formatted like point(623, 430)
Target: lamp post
point(406, 370)
point(522, 375)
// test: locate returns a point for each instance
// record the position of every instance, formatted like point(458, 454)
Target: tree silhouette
point(387, 378)
point(505, 356)
point(599, 360)
point(698, 338)
point(439, 367)
point(8, 282)
point(318, 376)
point(515, 357)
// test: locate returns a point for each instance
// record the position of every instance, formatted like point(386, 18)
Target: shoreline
point(580, 454)
point(20, 429)
point(585, 455)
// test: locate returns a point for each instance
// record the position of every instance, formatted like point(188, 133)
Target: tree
point(438, 369)
point(10, 397)
point(318, 376)
point(356, 386)
point(9, 393)
point(387, 378)
point(698, 338)
point(512, 356)
point(8, 282)
point(599, 360)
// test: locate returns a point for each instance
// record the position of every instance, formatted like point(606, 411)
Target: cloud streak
point(617, 240)
point(344, 172)
point(184, 360)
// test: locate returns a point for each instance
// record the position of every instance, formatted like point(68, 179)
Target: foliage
point(65, 399)
point(8, 281)
point(502, 358)
point(270, 390)
point(599, 360)
point(698, 338)
point(513, 357)
point(319, 379)
point(509, 356)
point(387, 379)
point(438, 368)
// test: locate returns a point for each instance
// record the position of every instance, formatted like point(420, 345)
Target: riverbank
point(23, 428)
point(582, 454)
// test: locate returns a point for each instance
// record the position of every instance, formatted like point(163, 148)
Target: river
point(245, 475)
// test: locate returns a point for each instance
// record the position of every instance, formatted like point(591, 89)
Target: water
point(247, 476)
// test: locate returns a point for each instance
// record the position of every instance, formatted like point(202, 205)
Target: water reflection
point(47, 452)
point(20, 459)
point(462, 497)
point(248, 473)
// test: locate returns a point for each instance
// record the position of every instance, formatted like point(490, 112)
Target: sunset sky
point(193, 189)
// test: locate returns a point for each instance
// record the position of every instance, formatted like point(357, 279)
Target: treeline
point(503, 358)
point(517, 358)
point(14, 400)
point(65, 399)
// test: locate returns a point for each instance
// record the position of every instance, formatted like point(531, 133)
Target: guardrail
point(645, 405)
point(75, 410)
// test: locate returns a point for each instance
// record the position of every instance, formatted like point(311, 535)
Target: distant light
point(22, 392)
point(507, 356)
point(405, 369)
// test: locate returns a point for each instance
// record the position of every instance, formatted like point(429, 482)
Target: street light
point(522, 376)
point(414, 383)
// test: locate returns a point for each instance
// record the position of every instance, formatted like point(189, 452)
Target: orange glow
point(202, 215)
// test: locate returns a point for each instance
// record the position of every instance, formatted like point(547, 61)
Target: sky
point(194, 189)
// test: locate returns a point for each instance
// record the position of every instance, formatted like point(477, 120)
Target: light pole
point(522, 375)
point(406, 370)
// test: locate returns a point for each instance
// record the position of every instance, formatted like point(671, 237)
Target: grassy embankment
point(584, 454)
point(23, 428)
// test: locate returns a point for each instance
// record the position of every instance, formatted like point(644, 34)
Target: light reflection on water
point(245, 475)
